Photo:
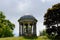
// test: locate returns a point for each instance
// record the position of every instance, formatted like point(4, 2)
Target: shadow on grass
point(57, 37)
point(30, 37)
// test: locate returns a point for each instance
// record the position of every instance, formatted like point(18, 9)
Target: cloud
point(43, 0)
point(49, 1)
point(27, 13)
point(24, 5)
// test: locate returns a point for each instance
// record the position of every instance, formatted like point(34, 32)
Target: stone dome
point(28, 17)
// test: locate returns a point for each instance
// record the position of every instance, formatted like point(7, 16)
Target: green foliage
point(30, 37)
point(52, 17)
point(6, 27)
point(22, 38)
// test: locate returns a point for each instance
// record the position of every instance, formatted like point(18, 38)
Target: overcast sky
point(14, 9)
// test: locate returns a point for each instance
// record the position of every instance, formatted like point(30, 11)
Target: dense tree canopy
point(6, 27)
point(52, 17)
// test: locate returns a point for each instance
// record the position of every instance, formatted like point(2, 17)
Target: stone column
point(34, 29)
point(23, 29)
point(20, 29)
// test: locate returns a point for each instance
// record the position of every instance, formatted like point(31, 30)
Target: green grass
point(22, 38)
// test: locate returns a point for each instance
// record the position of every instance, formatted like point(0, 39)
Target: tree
point(6, 27)
point(52, 17)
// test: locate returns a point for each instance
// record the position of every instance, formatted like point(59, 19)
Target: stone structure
point(27, 25)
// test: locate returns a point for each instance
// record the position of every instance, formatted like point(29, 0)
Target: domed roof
point(26, 17)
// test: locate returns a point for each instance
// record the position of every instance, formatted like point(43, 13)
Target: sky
point(14, 9)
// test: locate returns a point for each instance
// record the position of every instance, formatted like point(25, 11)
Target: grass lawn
point(22, 38)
